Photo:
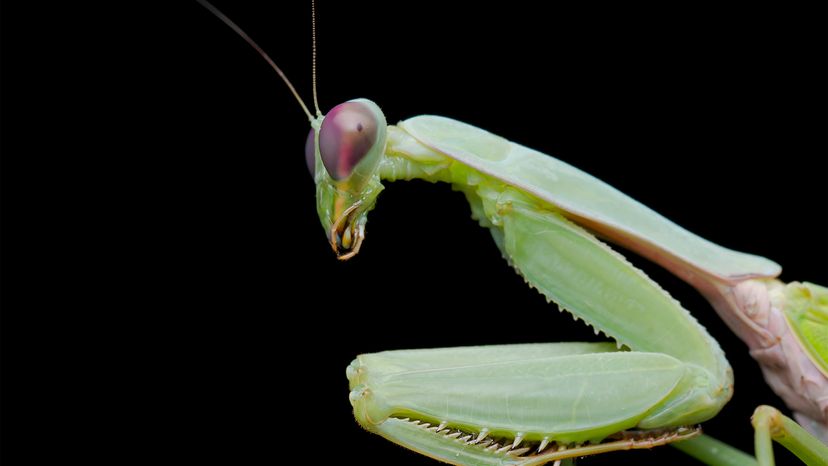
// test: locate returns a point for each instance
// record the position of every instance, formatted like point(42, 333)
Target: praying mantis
point(332, 221)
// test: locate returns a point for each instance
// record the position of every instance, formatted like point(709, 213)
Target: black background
point(186, 303)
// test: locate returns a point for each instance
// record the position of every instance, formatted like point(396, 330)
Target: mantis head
point(343, 152)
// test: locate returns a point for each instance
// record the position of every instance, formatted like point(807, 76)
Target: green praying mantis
point(533, 404)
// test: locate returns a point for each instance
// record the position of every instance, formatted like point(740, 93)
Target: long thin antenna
point(313, 33)
point(255, 46)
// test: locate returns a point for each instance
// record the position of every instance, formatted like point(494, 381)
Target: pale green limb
point(518, 405)
point(708, 450)
point(770, 424)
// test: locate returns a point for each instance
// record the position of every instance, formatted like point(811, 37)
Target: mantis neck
point(407, 159)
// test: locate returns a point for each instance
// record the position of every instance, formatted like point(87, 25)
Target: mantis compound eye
point(348, 133)
point(310, 153)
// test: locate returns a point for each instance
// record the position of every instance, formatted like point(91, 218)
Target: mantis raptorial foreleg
point(676, 380)
point(521, 382)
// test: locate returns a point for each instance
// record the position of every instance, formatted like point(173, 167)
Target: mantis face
point(343, 151)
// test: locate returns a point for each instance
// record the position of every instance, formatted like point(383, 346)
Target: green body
point(531, 404)
point(671, 372)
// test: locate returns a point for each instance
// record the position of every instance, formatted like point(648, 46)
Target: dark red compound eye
point(310, 155)
point(348, 132)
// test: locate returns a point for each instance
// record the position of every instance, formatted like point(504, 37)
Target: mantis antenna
point(267, 58)
point(313, 33)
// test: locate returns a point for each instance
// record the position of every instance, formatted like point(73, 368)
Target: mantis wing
point(588, 201)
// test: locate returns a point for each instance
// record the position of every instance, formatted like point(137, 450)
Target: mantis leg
point(708, 450)
point(515, 405)
point(537, 404)
point(770, 424)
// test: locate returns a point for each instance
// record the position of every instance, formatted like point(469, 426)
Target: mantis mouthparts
point(346, 235)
